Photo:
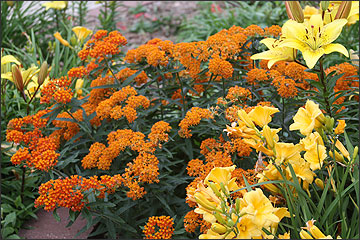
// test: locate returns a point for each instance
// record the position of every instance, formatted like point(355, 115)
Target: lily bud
point(356, 150)
point(237, 205)
point(268, 136)
point(344, 10)
point(342, 149)
point(338, 156)
point(319, 183)
point(305, 235)
point(17, 77)
point(245, 118)
point(218, 228)
point(329, 123)
point(324, 5)
point(316, 233)
point(224, 189)
point(73, 40)
point(219, 218)
point(294, 11)
point(214, 188)
point(340, 127)
point(61, 40)
point(201, 200)
point(42, 73)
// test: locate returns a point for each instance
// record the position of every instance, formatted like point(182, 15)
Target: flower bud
point(202, 201)
point(324, 5)
point(73, 40)
point(237, 205)
point(342, 149)
point(319, 183)
point(356, 150)
point(230, 223)
point(17, 77)
point(268, 136)
point(316, 233)
point(61, 40)
point(294, 11)
point(214, 188)
point(224, 189)
point(329, 123)
point(219, 218)
point(340, 127)
point(10, 3)
point(245, 118)
point(338, 156)
point(42, 73)
point(305, 235)
point(344, 10)
point(218, 228)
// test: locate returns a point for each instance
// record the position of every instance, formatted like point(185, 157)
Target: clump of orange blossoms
point(192, 118)
point(159, 228)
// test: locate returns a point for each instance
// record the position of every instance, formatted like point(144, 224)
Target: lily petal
point(336, 47)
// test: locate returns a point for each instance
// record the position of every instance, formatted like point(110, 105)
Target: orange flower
point(218, 66)
point(159, 132)
point(286, 87)
point(159, 228)
point(192, 118)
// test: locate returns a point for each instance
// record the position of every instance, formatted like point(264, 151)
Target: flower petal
point(335, 47)
point(331, 31)
point(312, 56)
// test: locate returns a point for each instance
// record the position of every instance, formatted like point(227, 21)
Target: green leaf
point(56, 215)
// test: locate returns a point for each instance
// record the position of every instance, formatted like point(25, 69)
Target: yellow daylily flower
point(284, 236)
point(342, 149)
point(315, 150)
point(261, 115)
point(340, 127)
point(27, 74)
point(314, 39)
point(314, 231)
point(61, 40)
point(308, 118)
point(9, 59)
point(81, 32)
point(302, 170)
point(270, 135)
point(259, 208)
point(287, 152)
point(55, 5)
point(246, 227)
point(222, 175)
point(275, 53)
point(309, 11)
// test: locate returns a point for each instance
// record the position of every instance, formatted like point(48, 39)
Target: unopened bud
point(201, 200)
point(324, 5)
point(237, 205)
point(218, 228)
point(319, 183)
point(245, 118)
point(344, 10)
point(356, 151)
point(338, 156)
point(73, 40)
point(214, 188)
point(294, 11)
point(42, 73)
point(17, 77)
point(230, 223)
point(329, 123)
point(219, 218)
point(268, 136)
point(224, 189)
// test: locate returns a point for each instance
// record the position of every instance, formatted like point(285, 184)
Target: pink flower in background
point(121, 26)
point(139, 15)
point(215, 8)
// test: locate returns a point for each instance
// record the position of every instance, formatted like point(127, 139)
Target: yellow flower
point(78, 85)
point(9, 59)
point(55, 5)
point(222, 175)
point(275, 53)
point(342, 149)
point(61, 40)
point(81, 32)
point(309, 11)
point(210, 234)
point(308, 118)
point(340, 127)
point(270, 135)
point(314, 231)
point(314, 39)
point(284, 236)
point(334, 7)
point(259, 208)
point(247, 229)
point(287, 152)
point(33, 85)
point(261, 115)
point(268, 174)
point(315, 150)
point(302, 171)
point(27, 75)
point(280, 213)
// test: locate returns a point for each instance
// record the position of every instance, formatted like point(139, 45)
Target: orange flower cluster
point(159, 133)
point(123, 74)
point(192, 118)
point(71, 192)
point(238, 94)
point(77, 72)
point(111, 108)
point(100, 45)
point(192, 220)
point(223, 68)
point(159, 227)
point(143, 169)
point(57, 90)
point(40, 152)
point(285, 87)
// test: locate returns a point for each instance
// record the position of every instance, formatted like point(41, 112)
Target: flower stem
point(322, 80)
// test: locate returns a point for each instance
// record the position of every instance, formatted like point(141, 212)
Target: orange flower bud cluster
point(112, 108)
point(159, 228)
point(123, 74)
point(237, 93)
point(77, 72)
point(192, 118)
point(71, 192)
point(57, 90)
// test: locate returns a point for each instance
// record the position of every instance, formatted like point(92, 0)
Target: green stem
point(184, 109)
point(89, 134)
point(223, 86)
point(108, 67)
point(161, 106)
point(322, 80)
